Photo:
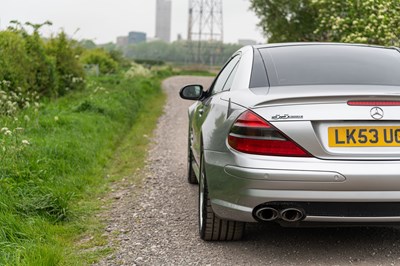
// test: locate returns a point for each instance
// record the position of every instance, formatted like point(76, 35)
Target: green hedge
point(50, 67)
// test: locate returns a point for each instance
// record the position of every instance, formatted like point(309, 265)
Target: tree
point(356, 21)
point(366, 21)
point(286, 20)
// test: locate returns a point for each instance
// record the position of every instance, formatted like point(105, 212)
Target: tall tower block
point(163, 20)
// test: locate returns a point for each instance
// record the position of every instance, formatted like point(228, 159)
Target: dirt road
point(157, 225)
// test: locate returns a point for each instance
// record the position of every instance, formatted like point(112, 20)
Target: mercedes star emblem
point(377, 113)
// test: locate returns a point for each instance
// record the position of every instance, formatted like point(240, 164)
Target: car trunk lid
point(323, 121)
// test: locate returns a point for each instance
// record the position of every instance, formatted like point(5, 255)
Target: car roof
point(272, 45)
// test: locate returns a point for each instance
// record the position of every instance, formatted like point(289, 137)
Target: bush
point(102, 59)
point(118, 57)
point(70, 73)
point(41, 66)
point(29, 64)
point(14, 60)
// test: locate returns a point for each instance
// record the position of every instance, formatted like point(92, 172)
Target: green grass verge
point(49, 189)
point(126, 164)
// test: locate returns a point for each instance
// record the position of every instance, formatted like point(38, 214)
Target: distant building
point(163, 20)
point(135, 37)
point(245, 42)
point(122, 41)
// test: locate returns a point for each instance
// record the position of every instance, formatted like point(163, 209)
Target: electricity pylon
point(205, 26)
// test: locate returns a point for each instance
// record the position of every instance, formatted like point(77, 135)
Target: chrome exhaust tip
point(267, 214)
point(292, 215)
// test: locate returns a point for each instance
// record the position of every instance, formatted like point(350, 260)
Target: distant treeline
point(183, 52)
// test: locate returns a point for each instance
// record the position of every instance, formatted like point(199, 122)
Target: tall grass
point(68, 143)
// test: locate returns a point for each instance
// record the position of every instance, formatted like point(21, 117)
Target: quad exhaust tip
point(292, 215)
point(268, 214)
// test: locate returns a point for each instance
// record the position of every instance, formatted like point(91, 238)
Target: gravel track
point(157, 223)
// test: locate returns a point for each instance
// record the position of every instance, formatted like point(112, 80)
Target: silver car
point(298, 134)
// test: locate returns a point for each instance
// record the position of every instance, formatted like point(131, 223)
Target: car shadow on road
point(269, 243)
point(361, 245)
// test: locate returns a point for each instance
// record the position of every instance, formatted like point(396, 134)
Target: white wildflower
point(25, 142)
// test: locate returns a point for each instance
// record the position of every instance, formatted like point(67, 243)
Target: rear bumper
point(239, 183)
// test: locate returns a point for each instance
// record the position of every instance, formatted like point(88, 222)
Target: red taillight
point(250, 119)
point(373, 103)
point(252, 134)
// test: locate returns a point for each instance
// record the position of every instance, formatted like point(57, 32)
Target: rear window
point(331, 64)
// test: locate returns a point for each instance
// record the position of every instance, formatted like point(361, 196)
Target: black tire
point(212, 228)
point(191, 176)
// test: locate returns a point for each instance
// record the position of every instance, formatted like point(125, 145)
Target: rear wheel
point(191, 176)
point(211, 227)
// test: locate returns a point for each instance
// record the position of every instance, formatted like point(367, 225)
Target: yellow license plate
point(361, 136)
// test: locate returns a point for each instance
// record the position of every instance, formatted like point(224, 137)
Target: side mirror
point(192, 92)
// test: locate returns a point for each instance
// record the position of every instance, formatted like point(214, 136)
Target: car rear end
point(319, 144)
